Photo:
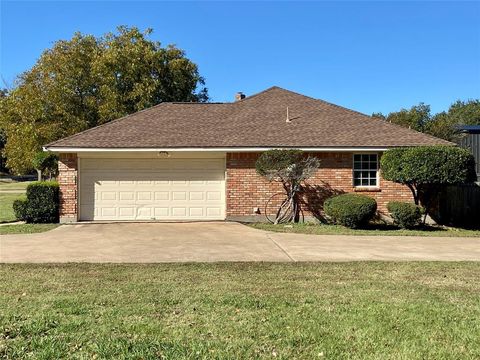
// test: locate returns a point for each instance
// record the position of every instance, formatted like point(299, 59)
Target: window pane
point(373, 157)
point(365, 157)
point(373, 174)
point(357, 165)
point(365, 182)
point(372, 165)
point(357, 157)
point(373, 182)
point(356, 182)
point(364, 174)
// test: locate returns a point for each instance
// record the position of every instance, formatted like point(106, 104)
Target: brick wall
point(246, 190)
point(67, 179)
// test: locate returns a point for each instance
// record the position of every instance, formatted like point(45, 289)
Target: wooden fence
point(459, 205)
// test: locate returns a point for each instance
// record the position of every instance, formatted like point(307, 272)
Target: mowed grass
point(376, 230)
point(6, 206)
point(12, 185)
point(26, 228)
point(241, 311)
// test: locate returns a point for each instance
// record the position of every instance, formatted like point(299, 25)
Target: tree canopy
point(443, 125)
point(423, 168)
point(414, 118)
point(87, 81)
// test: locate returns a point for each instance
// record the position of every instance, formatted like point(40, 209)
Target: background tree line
point(443, 125)
point(87, 81)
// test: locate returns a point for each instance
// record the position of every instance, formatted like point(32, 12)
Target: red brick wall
point(67, 179)
point(247, 190)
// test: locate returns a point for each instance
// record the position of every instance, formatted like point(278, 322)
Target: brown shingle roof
point(256, 121)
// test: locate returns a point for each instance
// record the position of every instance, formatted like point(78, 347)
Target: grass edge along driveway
point(375, 230)
point(225, 311)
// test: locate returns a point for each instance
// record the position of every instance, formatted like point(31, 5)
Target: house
point(196, 161)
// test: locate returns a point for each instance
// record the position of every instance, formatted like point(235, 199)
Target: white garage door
point(152, 189)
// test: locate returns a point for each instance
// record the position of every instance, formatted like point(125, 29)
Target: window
point(365, 167)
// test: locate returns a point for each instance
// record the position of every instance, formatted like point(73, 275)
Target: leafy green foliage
point(88, 81)
point(291, 168)
point(46, 162)
point(406, 215)
point(273, 161)
point(20, 209)
point(443, 125)
point(350, 210)
point(415, 118)
point(425, 169)
point(440, 165)
point(41, 205)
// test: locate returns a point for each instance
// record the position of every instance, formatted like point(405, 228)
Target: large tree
point(414, 118)
point(445, 124)
point(87, 81)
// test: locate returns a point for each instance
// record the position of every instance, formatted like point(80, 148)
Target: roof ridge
point(102, 125)
point(255, 95)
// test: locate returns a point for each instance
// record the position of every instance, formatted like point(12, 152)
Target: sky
point(367, 56)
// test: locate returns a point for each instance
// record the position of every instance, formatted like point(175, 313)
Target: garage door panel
point(185, 189)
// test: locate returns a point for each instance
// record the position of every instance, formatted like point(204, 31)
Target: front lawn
point(6, 206)
point(26, 228)
point(12, 185)
point(384, 230)
point(241, 311)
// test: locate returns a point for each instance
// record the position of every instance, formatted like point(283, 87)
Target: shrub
point(351, 210)
point(19, 209)
point(428, 166)
point(406, 215)
point(41, 205)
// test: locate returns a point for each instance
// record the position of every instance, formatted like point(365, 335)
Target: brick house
point(196, 161)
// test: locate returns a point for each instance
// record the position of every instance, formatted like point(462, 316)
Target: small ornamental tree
point(290, 168)
point(424, 169)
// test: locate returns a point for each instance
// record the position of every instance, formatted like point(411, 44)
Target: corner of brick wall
point(246, 190)
point(67, 180)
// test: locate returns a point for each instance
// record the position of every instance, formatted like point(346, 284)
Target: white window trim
point(377, 171)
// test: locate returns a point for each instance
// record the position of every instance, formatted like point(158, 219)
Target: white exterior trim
point(236, 149)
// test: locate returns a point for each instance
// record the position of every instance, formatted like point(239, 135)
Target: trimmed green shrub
point(41, 205)
point(424, 167)
point(20, 208)
point(350, 210)
point(406, 215)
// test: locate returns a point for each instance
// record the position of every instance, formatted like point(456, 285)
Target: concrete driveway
point(219, 241)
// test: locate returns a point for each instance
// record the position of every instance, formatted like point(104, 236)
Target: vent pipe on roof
point(239, 96)
point(288, 116)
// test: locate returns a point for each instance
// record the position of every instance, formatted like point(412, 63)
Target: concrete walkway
point(220, 241)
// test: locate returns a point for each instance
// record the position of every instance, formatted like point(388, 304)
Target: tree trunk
point(39, 175)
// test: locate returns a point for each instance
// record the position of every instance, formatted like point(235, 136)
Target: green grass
point(26, 228)
point(6, 203)
point(384, 230)
point(21, 186)
point(241, 311)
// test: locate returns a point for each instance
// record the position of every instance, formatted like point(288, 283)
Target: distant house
point(470, 139)
point(196, 161)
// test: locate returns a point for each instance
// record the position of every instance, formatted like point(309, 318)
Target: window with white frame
point(365, 168)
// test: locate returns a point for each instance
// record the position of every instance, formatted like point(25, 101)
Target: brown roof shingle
point(256, 121)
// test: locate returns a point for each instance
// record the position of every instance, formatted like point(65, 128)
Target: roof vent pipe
point(239, 96)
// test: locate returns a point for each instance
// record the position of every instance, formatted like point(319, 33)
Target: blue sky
point(368, 56)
